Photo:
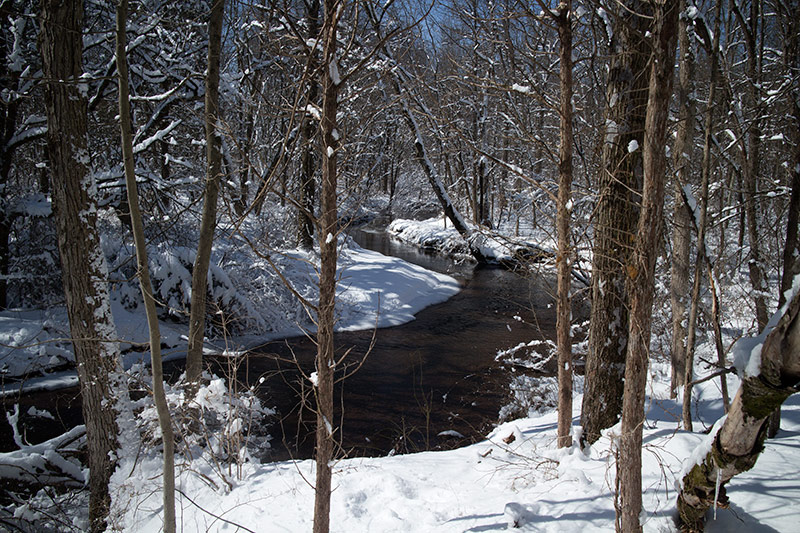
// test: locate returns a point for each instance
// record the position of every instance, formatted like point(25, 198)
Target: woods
point(204, 165)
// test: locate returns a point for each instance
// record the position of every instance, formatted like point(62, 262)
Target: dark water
point(435, 374)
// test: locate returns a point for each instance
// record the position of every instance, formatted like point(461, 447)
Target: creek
point(432, 383)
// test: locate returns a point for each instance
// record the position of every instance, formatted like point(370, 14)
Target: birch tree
point(770, 372)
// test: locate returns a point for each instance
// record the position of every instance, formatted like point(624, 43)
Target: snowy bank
point(437, 235)
point(373, 289)
point(515, 478)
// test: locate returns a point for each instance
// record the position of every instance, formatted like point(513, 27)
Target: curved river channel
point(429, 384)
point(432, 383)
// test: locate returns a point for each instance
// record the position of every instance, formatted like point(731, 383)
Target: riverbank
point(516, 478)
point(513, 478)
point(374, 290)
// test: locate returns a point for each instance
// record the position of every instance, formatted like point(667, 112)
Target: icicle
point(716, 493)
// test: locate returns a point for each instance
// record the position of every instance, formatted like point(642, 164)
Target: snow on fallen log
point(46, 462)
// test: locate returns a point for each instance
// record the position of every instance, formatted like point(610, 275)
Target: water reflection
point(435, 374)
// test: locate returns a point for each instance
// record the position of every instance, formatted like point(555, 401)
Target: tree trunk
point(641, 268)
point(563, 259)
point(325, 363)
point(701, 259)
point(421, 155)
point(9, 107)
point(399, 79)
point(143, 272)
point(208, 224)
point(739, 442)
point(751, 159)
point(791, 250)
point(83, 264)
point(307, 188)
point(615, 218)
point(682, 217)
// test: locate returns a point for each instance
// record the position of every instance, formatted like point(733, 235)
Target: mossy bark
point(741, 438)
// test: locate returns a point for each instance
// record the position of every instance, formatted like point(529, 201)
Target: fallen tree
point(770, 369)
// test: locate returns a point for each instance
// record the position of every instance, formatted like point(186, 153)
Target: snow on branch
point(158, 136)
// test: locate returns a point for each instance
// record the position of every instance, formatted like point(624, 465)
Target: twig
point(718, 373)
point(179, 491)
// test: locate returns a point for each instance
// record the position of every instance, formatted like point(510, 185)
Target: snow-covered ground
point(514, 478)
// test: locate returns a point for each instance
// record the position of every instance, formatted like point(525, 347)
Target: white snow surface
point(516, 477)
point(439, 234)
point(373, 289)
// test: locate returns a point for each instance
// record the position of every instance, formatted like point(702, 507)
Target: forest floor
point(514, 478)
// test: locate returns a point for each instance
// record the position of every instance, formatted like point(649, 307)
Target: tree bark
point(208, 224)
point(325, 362)
point(641, 268)
point(564, 256)
point(701, 258)
point(616, 212)
point(739, 442)
point(306, 189)
point(682, 217)
point(8, 122)
point(83, 265)
point(143, 272)
point(751, 159)
point(791, 252)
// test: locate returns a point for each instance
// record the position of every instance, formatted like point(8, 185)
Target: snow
point(524, 89)
point(633, 146)
point(437, 234)
point(514, 478)
point(314, 111)
point(746, 351)
point(373, 289)
point(333, 70)
point(387, 291)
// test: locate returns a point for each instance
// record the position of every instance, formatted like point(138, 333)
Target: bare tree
point(682, 216)
point(615, 216)
point(306, 188)
point(701, 259)
point(563, 19)
point(208, 224)
point(739, 442)
point(326, 360)
point(143, 272)
point(83, 264)
point(791, 251)
point(751, 155)
point(641, 268)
